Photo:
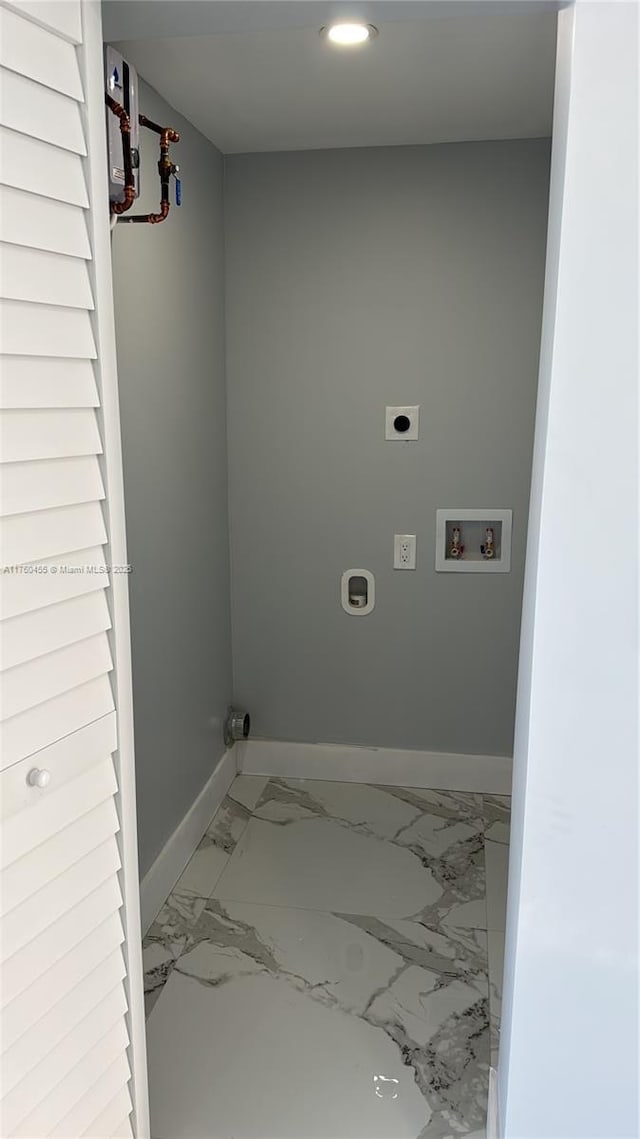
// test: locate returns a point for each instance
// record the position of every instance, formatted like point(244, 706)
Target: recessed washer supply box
point(469, 553)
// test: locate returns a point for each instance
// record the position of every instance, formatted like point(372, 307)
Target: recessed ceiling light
point(348, 35)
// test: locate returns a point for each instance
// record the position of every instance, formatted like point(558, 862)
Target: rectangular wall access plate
point(473, 524)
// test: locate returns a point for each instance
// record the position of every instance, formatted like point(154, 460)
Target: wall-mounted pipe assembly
point(124, 161)
point(166, 167)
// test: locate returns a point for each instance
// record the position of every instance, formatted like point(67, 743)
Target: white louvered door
point(71, 1014)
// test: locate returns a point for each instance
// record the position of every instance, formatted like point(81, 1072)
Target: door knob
point(39, 777)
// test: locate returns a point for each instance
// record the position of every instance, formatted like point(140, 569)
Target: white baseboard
point(493, 1120)
point(486, 774)
point(159, 881)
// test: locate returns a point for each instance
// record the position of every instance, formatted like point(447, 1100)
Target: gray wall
point(169, 301)
point(357, 279)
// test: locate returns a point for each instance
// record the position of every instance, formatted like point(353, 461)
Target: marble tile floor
point(329, 966)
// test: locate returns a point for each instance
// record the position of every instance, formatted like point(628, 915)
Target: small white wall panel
point(40, 113)
point(46, 278)
point(32, 51)
point(41, 631)
point(45, 330)
point(41, 381)
point(44, 484)
point(29, 164)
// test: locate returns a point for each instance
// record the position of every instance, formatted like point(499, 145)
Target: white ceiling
point(461, 76)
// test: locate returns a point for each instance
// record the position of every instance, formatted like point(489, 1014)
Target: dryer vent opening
point(237, 726)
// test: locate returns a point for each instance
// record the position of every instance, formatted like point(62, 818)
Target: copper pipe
point(167, 134)
point(129, 181)
point(165, 170)
point(150, 219)
point(127, 201)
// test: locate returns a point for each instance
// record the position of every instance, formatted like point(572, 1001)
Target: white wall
point(569, 1059)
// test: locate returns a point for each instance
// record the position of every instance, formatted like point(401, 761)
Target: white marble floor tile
point(497, 812)
point(351, 848)
point(381, 810)
point(306, 1017)
point(205, 867)
point(157, 962)
point(497, 868)
point(203, 870)
point(496, 969)
point(247, 789)
point(289, 1024)
point(166, 939)
point(168, 935)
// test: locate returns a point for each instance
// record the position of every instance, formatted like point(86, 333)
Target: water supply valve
point(178, 187)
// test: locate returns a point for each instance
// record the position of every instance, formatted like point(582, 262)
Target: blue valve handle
point(178, 192)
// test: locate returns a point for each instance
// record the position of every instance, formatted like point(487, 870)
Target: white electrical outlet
point(404, 551)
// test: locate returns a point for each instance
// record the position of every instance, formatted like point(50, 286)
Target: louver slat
point(38, 112)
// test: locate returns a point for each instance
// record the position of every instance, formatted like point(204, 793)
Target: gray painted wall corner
point(169, 304)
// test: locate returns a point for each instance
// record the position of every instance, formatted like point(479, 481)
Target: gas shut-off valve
point(123, 141)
